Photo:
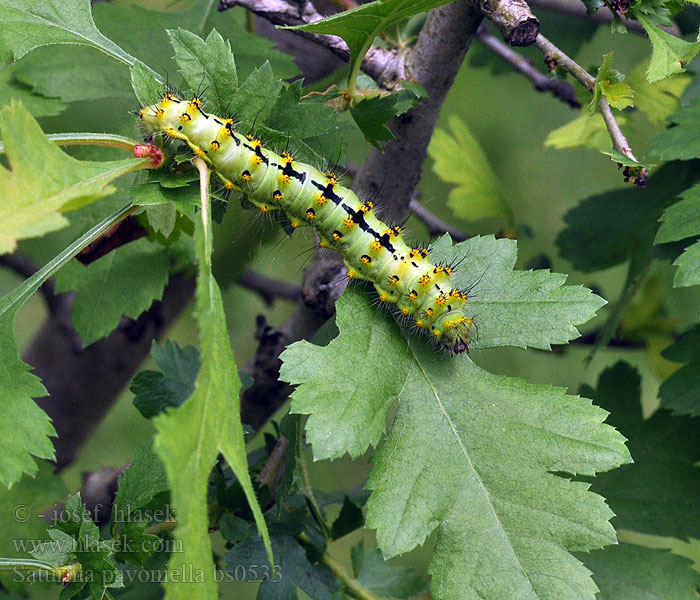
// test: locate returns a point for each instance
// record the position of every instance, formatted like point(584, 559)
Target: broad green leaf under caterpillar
point(372, 250)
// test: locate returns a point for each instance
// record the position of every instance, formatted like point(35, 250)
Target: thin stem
point(618, 138)
point(521, 64)
point(26, 564)
point(204, 195)
point(63, 574)
point(435, 225)
point(30, 285)
point(635, 278)
point(619, 141)
point(90, 139)
point(94, 139)
point(267, 287)
point(25, 267)
point(272, 471)
point(353, 587)
point(577, 71)
point(315, 508)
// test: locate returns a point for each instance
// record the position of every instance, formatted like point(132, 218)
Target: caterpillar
point(372, 250)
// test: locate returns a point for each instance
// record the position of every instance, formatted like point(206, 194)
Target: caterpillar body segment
point(372, 250)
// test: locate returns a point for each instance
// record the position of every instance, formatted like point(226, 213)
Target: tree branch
point(435, 225)
point(383, 65)
point(619, 141)
point(560, 89)
point(515, 21)
point(577, 9)
point(267, 287)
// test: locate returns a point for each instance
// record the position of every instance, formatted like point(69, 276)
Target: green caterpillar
point(371, 250)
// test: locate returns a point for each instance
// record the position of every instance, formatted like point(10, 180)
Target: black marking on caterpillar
point(372, 250)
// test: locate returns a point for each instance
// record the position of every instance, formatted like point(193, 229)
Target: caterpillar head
point(457, 335)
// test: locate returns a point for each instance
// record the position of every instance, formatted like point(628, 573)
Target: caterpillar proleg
point(371, 250)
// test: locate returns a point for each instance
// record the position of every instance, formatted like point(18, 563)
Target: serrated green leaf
point(190, 437)
point(73, 73)
point(130, 24)
point(681, 391)
point(25, 25)
point(185, 198)
point(206, 65)
point(688, 264)
point(681, 142)
point(669, 54)
point(58, 551)
point(349, 519)
point(586, 131)
point(140, 484)
point(616, 226)
point(312, 128)
point(453, 460)
point(234, 529)
point(660, 99)
point(23, 507)
point(624, 160)
point(661, 488)
point(657, 11)
point(515, 308)
point(141, 501)
point(292, 569)
point(682, 219)
point(146, 87)
point(256, 96)
point(12, 89)
point(374, 573)
point(627, 572)
point(156, 391)
point(24, 428)
point(371, 114)
point(162, 218)
point(123, 282)
point(459, 159)
point(359, 26)
point(608, 83)
point(95, 555)
point(34, 196)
